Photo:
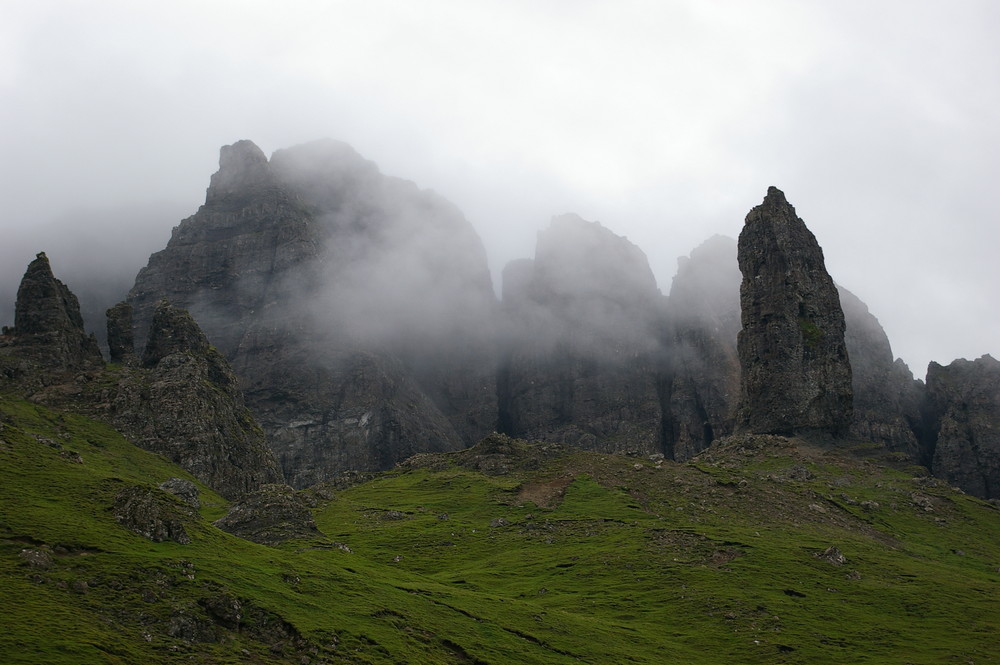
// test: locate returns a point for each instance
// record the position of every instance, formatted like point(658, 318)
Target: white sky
point(664, 120)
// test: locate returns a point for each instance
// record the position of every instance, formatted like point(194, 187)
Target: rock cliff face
point(795, 372)
point(583, 342)
point(887, 399)
point(48, 328)
point(184, 403)
point(121, 341)
point(701, 378)
point(963, 403)
point(356, 309)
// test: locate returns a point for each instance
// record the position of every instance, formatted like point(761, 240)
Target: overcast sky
point(664, 120)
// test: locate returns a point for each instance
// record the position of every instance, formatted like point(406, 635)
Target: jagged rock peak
point(48, 326)
point(172, 331)
point(242, 166)
point(795, 372)
point(44, 303)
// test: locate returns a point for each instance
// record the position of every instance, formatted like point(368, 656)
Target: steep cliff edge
point(963, 405)
point(887, 399)
point(701, 377)
point(582, 342)
point(795, 372)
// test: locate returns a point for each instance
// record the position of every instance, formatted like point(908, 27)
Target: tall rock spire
point(796, 375)
point(48, 327)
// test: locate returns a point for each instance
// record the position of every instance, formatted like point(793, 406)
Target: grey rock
point(270, 516)
point(37, 558)
point(582, 342)
point(185, 404)
point(184, 490)
point(48, 327)
point(832, 555)
point(153, 514)
point(121, 344)
point(795, 371)
point(963, 407)
point(887, 399)
point(701, 378)
point(356, 308)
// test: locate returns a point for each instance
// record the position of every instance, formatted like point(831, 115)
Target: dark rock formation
point(887, 399)
point(270, 516)
point(184, 490)
point(795, 372)
point(48, 328)
point(583, 341)
point(356, 309)
point(153, 514)
point(963, 405)
point(121, 343)
point(701, 378)
point(185, 404)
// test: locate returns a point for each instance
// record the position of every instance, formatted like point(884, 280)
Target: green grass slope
point(764, 550)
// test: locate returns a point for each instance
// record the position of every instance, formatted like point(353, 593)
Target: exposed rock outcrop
point(583, 342)
point(356, 309)
point(963, 403)
point(153, 514)
point(48, 329)
point(185, 404)
point(270, 516)
point(795, 371)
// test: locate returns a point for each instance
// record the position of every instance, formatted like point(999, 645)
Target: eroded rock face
point(795, 371)
point(583, 342)
point(964, 412)
point(356, 309)
point(48, 328)
point(701, 378)
point(121, 342)
point(270, 516)
point(153, 514)
point(887, 399)
point(185, 404)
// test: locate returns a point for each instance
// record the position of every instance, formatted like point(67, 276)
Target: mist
point(95, 252)
point(666, 122)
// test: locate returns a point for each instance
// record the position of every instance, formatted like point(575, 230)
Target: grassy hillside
point(765, 550)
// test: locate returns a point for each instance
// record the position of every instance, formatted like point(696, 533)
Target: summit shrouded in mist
point(355, 307)
point(359, 314)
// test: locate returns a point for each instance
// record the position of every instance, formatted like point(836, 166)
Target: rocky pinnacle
point(796, 376)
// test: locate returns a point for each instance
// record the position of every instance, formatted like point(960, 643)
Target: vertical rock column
point(796, 375)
